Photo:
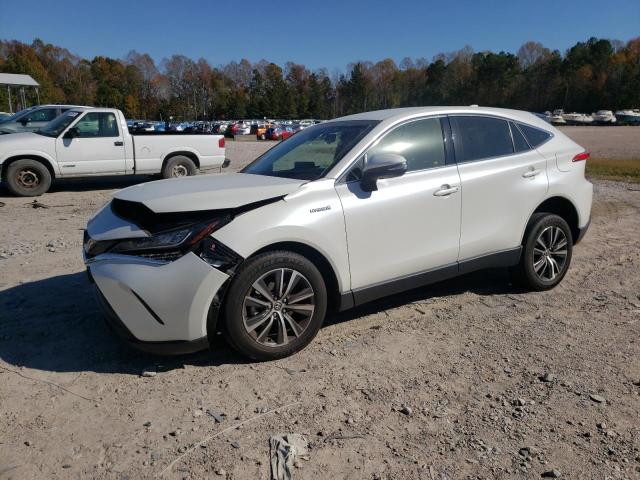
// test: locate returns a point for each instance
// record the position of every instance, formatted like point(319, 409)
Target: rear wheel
point(27, 178)
point(275, 305)
point(546, 254)
point(179, 166)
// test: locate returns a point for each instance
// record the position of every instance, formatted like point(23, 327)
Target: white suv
point(339, 214)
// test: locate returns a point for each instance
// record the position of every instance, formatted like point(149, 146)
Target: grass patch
point(614, 169)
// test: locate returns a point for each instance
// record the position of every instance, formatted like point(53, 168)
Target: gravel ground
point(470, 378)
point(607, 142)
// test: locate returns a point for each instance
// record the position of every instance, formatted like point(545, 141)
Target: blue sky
point(324, 33)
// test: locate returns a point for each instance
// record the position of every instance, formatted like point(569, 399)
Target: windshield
point(56, 126)
point(311, 152)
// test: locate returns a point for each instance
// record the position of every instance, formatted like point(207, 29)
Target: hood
point(208, 192)
point(22, 141)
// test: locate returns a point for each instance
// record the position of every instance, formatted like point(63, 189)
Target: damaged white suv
point(339, 214)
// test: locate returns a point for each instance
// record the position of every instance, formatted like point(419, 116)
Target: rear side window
point(481, 137)
point(420, 142)
point(535, 136)
point(519, 142)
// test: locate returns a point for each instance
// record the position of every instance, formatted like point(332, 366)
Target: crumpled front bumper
point(157, 306)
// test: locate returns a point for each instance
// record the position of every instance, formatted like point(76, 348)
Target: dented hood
point(208, 192)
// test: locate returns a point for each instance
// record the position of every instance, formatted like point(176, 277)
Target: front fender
point(33, 154)
point(315, 220)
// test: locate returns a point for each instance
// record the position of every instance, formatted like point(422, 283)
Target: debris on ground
point(218, 417)
point(284, 451)
point(37, 204)
point(149, 371)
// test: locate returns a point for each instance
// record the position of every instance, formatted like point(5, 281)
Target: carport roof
point(17, 79)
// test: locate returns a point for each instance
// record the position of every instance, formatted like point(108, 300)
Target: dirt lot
point(466, 379)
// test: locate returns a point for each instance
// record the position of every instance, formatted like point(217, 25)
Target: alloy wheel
point(278, 307)
point(550, 253)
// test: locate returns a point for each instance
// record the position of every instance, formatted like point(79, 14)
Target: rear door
point(502, 180)
point(98, 148)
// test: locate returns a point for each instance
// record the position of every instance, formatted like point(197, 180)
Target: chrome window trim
point(497, 117)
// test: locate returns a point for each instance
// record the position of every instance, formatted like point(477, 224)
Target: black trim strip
point(144, 304)
point(506, 258)
point(363, 295)
point(448, 141)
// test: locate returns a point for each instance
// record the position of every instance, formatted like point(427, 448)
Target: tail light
point(581, 156)
point(221, 143)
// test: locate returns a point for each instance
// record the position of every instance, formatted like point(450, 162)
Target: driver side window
point(97, 124)
point(43, 115)
point(420, 142)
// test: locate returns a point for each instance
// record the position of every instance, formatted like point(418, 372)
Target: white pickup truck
point(95, 141)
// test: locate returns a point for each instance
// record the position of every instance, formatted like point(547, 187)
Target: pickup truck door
point(92, 145)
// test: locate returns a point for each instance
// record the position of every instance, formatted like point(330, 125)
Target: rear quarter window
point(535, 136)
point(479, 137)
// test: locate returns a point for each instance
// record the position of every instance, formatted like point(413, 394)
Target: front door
point(96, 148)
point(411, 224)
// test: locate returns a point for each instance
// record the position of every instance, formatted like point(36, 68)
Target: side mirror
point(23, 121)
point(71, 133)
point(382, 165)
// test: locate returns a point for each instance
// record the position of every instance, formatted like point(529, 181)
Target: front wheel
point(27, 178)
point(179, 166)
point(275, 305)
point(546, 255)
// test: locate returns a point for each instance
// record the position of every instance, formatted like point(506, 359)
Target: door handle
point(445, 190)
point(118, 143)
point(531, 173)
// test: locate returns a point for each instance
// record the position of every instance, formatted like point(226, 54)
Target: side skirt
point(505, 258)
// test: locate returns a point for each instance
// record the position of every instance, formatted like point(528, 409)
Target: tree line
point(591, 75)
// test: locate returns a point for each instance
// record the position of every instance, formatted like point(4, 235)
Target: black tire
point(531, 277)
point(179, 166)
point(234, 304)
point(27, 178)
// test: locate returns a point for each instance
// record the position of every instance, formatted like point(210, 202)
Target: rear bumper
point(154, 306)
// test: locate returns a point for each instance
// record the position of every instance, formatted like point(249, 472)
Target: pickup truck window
point(97, 125)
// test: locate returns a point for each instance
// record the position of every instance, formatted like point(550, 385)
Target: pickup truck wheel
point(275, 305)
point(546, 253)
point(179, 166)
point(27, 178)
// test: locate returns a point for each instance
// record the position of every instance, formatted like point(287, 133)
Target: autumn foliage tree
point(591, 75)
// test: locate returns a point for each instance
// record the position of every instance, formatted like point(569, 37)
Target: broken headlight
point(171, 244)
